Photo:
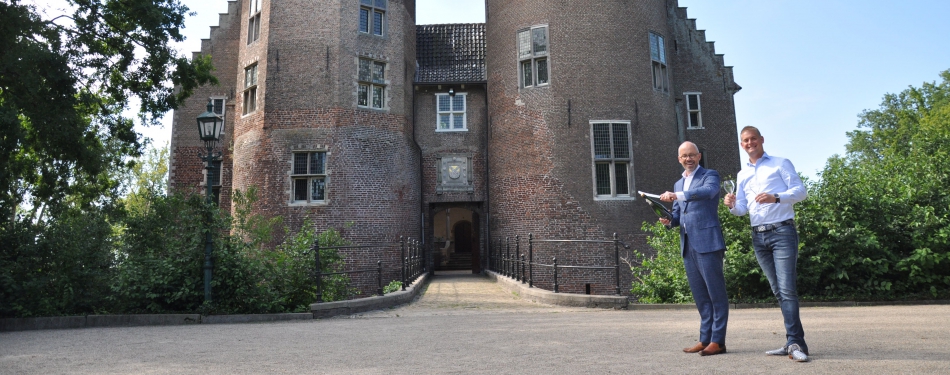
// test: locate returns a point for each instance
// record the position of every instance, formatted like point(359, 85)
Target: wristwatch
point(777, 199)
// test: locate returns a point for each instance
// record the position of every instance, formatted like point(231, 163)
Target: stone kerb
point(330, 309)
point(559, 299)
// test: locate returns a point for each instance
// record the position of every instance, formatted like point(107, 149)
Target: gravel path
point(466, 324)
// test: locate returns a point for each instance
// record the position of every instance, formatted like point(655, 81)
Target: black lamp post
point(210, 128)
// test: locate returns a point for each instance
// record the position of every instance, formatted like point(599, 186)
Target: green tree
point(64, 85)
point(877, 223)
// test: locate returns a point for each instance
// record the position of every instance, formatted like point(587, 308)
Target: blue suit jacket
point(698, 216)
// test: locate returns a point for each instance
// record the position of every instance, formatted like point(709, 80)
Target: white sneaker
point(796, 354)
point(780, 351)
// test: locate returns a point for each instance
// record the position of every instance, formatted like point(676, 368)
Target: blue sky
point(808, 68)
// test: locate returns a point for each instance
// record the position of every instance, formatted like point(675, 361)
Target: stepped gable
point(728, 81)
point(450, 53)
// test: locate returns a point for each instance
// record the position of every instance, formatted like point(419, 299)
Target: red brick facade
point(526, 153)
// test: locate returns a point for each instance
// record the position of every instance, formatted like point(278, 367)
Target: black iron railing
point(517, 266)
point(412, 263)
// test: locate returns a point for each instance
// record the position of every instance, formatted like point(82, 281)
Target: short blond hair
point(751, 128)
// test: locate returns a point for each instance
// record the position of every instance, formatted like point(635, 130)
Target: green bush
point(660, 278)
point(61, 266)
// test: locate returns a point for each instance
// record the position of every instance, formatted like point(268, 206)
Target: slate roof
point(450, 53)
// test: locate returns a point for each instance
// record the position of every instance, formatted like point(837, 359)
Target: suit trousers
point(708, 285)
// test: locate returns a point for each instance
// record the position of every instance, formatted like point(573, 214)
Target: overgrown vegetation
point(144, 254)
point(875, 226)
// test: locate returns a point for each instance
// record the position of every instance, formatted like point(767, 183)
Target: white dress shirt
point(773, 175)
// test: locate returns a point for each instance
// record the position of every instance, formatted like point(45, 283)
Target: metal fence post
point(517, 250)
point(523, 276)
point(505, 262)
point(318, 270)
point(402, 249)
point(379, 277)
point(530, 260)
point(617, 261)
point(555, 274)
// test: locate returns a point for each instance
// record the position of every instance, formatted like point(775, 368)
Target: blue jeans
point(777, 253)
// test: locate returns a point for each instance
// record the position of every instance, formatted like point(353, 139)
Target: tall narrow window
point(533, 56)
point(215, 181)
point(694, 109)
point(658, 57)
point(451, 112)
point(309, 176)
point(254, 21)
point(250, 89)
point(371, 92)
point(372, 16)
point(612, 159)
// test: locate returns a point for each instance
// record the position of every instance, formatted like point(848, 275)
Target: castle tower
point(318, 106)
point(546, 120)
point(588, 102)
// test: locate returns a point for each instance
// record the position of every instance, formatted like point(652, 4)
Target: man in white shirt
point(768, 186)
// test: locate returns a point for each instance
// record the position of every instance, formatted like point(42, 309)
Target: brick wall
point(531, 148)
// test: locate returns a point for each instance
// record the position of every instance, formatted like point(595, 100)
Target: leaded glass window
point(612, 159)
point(451, 112)
point(372, 17)
point(371, 88)
point(309, 176)
point(533, 56)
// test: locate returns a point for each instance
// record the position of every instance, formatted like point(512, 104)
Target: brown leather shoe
point(695, 348)
point(713, 349)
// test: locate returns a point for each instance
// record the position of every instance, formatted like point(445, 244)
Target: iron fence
point(411, 263)
point(520, 266)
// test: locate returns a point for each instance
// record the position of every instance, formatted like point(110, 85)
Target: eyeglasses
point(689, 156)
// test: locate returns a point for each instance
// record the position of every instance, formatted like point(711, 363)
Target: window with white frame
point(372, 84)
point(533, 56)
point(658, 56)
point(451, 112)
point(254, 21)
point(372, 16)
point(217, 105)
point(693, 107)
point(309, 176)
point(250, 89)
point(612, 158)
point(215, 181)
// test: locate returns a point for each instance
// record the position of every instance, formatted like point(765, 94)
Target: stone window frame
point(309, 176)
point(377, 10)
point(368, 82)
point(612, 161)
point(451, 113)
point(250, 89)
point(254, 21)
point(533, 58)
point(658, 62)
point(694, 115)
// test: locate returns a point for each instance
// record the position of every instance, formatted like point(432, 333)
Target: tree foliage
point(878, 220)
point(64, 85)
point(875, 226)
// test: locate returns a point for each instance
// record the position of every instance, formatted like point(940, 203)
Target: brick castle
point(545, 119)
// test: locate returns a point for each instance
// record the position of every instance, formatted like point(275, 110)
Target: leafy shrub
point(660, 278)
point(393, 286)
point(61, 266)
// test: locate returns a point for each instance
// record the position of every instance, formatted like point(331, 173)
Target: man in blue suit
point(695, 210)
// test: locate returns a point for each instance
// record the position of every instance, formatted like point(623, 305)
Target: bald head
point(689, 156)
point(688, 148)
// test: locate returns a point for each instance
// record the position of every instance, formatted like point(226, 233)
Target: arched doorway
point(455, 244)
